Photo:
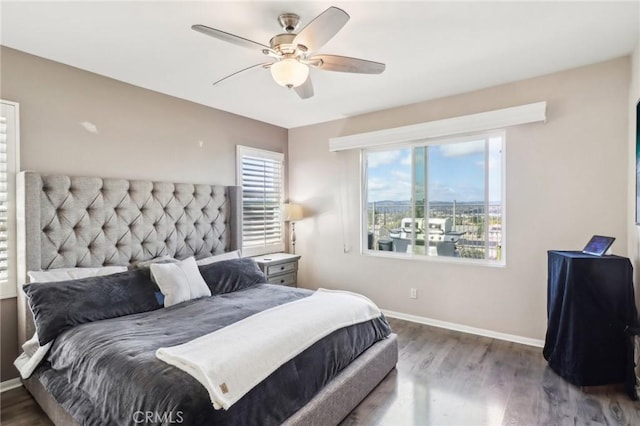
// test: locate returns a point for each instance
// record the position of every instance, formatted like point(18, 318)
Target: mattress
point(106, 372)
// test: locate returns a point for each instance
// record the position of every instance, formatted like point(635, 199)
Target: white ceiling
point(431, 49)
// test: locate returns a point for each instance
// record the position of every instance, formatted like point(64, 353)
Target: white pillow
point(219, 257)
point(162, 259)
point(179, 281)
point(31, 346)
point(65, 274)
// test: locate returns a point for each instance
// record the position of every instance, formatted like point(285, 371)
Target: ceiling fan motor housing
point(289, 22)
point(283, 43)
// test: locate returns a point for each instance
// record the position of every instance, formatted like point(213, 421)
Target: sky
point(455, 172)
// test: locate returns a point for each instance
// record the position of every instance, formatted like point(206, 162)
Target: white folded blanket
point(231, 361)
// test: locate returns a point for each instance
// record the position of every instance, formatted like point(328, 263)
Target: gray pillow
point(232, 275)
point(59, 306)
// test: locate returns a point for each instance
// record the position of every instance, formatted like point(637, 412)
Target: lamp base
point(293, 238)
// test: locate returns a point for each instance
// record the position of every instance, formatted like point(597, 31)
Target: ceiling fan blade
point(319, 31)
point(265, 65)
point(346, 64)
point(230, 38)
point(305, 90)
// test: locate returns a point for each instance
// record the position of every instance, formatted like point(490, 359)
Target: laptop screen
point(598, 245)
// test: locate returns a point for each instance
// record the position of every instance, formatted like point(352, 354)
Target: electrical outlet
point(413, 293)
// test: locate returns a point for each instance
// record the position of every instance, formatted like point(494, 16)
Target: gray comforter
point(106, 372)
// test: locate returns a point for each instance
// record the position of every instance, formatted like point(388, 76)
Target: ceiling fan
point(292, 52)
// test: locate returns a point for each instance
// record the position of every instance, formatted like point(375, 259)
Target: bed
point(84, 222)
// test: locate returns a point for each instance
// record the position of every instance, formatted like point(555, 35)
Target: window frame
point(435, 141)
point(8, 288)
point(241, 152)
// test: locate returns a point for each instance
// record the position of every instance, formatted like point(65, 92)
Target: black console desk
point(591, 313)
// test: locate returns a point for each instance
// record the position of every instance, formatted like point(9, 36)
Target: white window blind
point(4, 209)
point(8, 166)
point(261, 175)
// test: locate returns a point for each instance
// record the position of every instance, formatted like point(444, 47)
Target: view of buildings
point(455, 229)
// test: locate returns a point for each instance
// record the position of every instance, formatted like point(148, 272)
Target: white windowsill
point(8, 295)
point(435, 259)
point(8, 290)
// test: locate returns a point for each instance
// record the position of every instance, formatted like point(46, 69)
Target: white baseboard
point(465, 329)
point(10, 384)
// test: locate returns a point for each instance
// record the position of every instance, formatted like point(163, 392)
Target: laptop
point(598, 245)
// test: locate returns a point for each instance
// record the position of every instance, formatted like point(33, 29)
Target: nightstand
point(279, 268)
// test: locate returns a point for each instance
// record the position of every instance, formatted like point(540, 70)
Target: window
point(436, 198)
point(261, 176)
point(8, 167)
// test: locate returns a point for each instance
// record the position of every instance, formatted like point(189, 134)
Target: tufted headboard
point(70, 221)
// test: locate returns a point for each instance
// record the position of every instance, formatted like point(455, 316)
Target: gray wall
point(566, 179)
point(8, 338)
point(141, 134)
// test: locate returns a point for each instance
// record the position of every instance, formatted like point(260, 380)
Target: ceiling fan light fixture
point(289, 72)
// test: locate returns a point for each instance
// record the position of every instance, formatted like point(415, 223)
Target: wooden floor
point(17, 408)
point(449, 378)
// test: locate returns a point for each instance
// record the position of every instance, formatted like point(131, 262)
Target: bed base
point(338, 398)
point(50, 406)
point(332, 404)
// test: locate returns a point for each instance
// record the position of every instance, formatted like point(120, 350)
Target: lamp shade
point(289, 72)
point(292, 212)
